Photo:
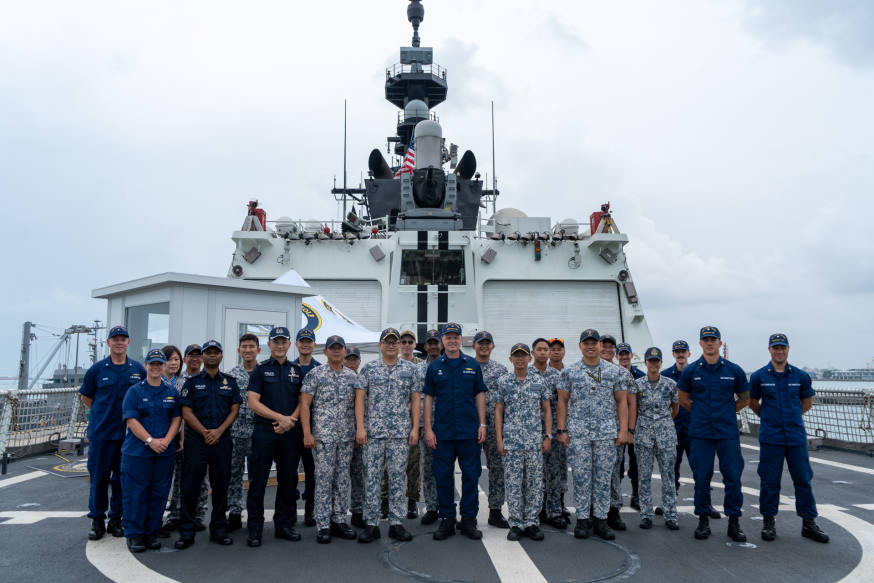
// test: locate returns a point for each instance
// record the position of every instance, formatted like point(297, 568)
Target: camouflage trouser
point(174, 510)
point(238, 466)
point(554, 461)
point(414, 482)
point(332, 460)
point(494, 462)
point(592, 464)
point(356, 480)
point(522, 474)
point(429, 486)
point(616, 478)
point(385, 455)
point(666, 456)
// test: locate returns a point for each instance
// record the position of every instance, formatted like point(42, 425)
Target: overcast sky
point(733, 139)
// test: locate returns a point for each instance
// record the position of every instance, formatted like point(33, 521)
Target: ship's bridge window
point(432, 267)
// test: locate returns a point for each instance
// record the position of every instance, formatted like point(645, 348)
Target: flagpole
point(344, 161)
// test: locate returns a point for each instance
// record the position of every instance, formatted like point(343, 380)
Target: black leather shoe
point(430, 517)
point(98, 529)
point(702, 531)
point(614, 521)
point(358, 520)
point(714, 514)
point(769, 528)
point(235, 522)
point(254, 539)
point(582, 528)
point(324, 536)
point(222, 539)
point(343, 530)
point(811, 530)
point(183, 543)
point(114, 527)
point(735, 532)
point(514, 534)
point(469, 529)
point(558, 522)
point(286, 533)
point(497, 519)
point(152, 542)
point(369, 534)
point(399, 533)
point(445, 530)
point(602, 529)
point(136, 544)
point(199, 526)
point(672, 525)
point(412, 509)
point(645, 523)
point(533, 532)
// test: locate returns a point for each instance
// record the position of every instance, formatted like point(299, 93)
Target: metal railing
point(37, 419)
point(398, 68)
point(840, 418)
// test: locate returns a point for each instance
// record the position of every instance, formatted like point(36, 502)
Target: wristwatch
point(482, 425)
point(148, 440)
point(547, 436)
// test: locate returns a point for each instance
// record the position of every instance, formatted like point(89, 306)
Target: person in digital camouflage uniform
point(552, 459)
point(241, 430)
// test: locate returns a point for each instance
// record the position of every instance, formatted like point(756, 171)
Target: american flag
point(409, 162)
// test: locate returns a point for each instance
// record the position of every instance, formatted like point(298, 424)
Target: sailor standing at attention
point(592, 422)
point(305, 343)
point(493, 373)
point(557, 450)
point(623, 355)
point(328, 420)
point(655, 437)
point(241, 430)
point(414, 466)
point(519, 399)
point(456, 394)
point(210, 403)
point(102, 392)
point(387, 421)
point(352, 361)
point(780, 394)
point(433, 348)
point(714, 389)
point(151, 413)
point(550, 378)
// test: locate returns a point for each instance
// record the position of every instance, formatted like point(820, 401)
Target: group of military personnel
point(372, 436)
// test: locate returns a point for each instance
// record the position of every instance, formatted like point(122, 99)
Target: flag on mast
point(409, 162)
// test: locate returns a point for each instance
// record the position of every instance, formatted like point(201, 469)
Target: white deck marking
point(864, 506)
point(34, 516)
point(509, 558)
point(22, 478)
point(111, 557)
point(862, 532)
point(825, 462)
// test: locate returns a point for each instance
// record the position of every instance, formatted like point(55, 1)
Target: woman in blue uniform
point(151, 412)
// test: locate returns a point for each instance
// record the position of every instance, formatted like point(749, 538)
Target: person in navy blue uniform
point(305, 342)
point(102, 391)
point(274, 396)
point(151, 412)
point(454, 386)
point(210, 402)
point(780, 394)
point(714, 389)
point(681, 353)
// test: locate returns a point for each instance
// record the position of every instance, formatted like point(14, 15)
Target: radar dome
point(416, 109)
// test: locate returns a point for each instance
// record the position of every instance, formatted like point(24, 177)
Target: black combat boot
point(469, 529)
point(445, 530)
point(514, 534)
point(602, 529)
point(703, 530)
point(811, 530)
point(324, 536)
point(114, 527)
point(369, 534)
point(343, 530)
point(582, 528)
point(613, 519)
point(235, 522)
point(98, 529)
point(399, 533)
point(412, 509)
point(136, 544)
point(430, 517)
point(152, 542)
point(497, 519)
point(734, 530)
point(769, 528)
point(646, 523)
point(558, 522)
point(533, 532)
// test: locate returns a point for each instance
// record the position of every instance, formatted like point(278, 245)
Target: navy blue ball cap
point(653, 353)
point(609, 339)
point(305, 334)
point(452, 328)
point(388, 333)
point(710, 332)
point(680, 345)
point(193, 348)
point(353, 352)
point(623, 347)
point(212, 344)
point(778, 340)
point(483, 335)
point(156, 355)
point(432, 335)
point(520, 347)
point(279, 332)
point(117, 331)
point(590, 334)
point(334, 341)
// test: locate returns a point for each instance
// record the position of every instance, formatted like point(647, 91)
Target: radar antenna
point(415, 14)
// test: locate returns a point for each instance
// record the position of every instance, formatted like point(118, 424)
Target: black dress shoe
point(558, 522)
point(183, 543)
point(136, 544)
point(582, 528)
point(811, 530)
point(614, 521)
point(769, 528)
point(199, 526)
point(469, 529)
point(287, 533)
point(514, 534)
point(430, 517)
point(343, 530)
point(445, 530)
point(324, 536)
point(645, 523)
point(533, 532)
point(702, 531)
point(672, 525)
point(603, 529)
point(152, 542)
point(735, 532)
point(98, 529)
point(235, 522)
point(369, 534)
point(398, 532)
point(497, 519)
point(222, 539)
point(358, 520)
point(114, 527)
point(412, 509)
